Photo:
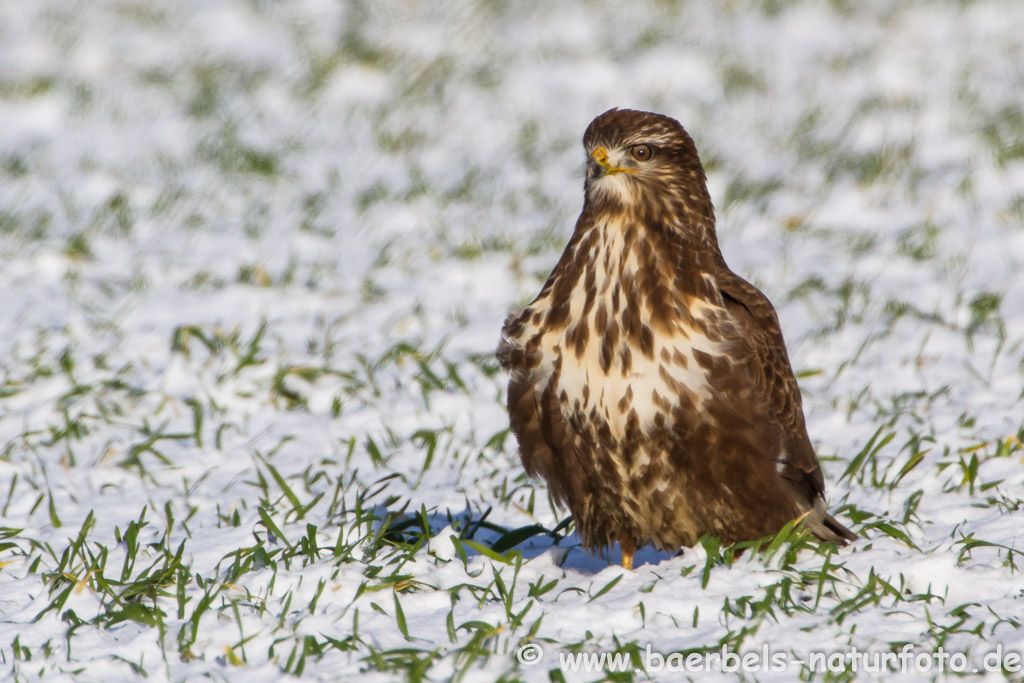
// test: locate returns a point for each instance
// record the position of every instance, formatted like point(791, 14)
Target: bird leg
point(628, 546)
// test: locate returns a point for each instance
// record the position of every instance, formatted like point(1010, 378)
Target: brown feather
point(650, 386)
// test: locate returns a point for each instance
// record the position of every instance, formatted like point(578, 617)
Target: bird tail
point(825, 526)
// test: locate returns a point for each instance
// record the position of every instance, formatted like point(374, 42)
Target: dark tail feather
point(825, 527)
point(839, 534)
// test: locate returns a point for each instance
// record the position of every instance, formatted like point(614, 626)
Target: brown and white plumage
point(650, 385)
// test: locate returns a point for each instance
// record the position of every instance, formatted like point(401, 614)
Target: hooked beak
point(599, 166)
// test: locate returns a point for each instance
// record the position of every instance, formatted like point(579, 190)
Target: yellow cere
point(600, 155)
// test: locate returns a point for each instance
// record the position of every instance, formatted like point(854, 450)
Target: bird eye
point(642, 152)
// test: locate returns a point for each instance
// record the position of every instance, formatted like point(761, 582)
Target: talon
point(628, 546)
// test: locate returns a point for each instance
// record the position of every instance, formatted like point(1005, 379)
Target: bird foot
point(628, 546)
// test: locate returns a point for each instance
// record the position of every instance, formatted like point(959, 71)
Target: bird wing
point(773, 375)
point(535, 416)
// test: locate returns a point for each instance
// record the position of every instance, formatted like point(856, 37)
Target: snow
point(240, 238)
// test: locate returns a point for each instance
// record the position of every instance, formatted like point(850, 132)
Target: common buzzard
point(650, 385)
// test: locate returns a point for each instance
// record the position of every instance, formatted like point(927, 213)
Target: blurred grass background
point(254, 258)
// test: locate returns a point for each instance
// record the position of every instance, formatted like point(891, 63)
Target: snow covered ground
point(255, 256)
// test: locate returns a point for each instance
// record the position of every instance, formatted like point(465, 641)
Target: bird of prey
point(649, 384)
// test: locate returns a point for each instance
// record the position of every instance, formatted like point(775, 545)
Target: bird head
point(639, 159)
